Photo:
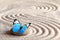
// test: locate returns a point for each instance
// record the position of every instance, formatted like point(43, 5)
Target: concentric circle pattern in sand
point(41, 6)
point(41, 28)
point(34, 6)
point(44, 6)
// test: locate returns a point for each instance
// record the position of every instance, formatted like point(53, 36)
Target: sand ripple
point(42, 27)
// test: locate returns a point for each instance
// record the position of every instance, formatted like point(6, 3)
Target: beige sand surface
point(43, 14)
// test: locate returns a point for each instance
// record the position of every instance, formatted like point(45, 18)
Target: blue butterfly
point(17, 27)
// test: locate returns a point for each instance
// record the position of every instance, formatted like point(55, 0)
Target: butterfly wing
point(16, 27)
point(23, 29)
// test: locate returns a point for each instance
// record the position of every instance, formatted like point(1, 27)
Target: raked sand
point(43, 14)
